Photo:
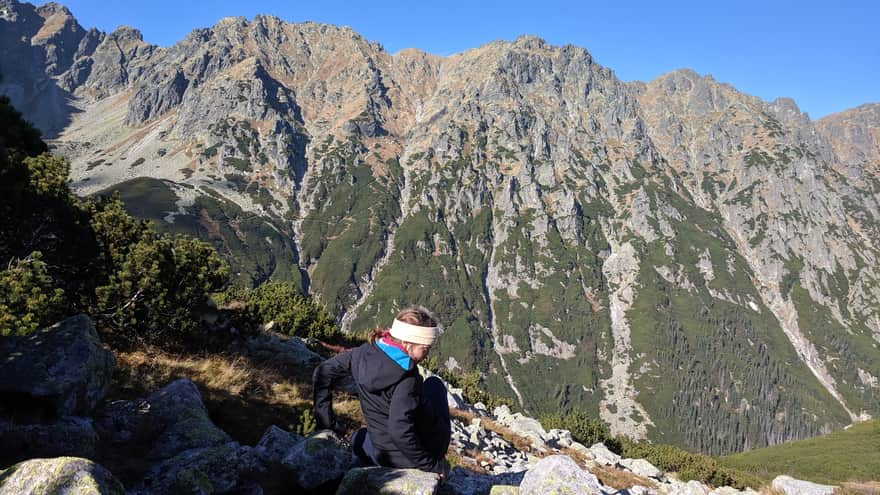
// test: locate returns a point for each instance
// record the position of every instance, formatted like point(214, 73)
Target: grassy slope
point(849, 455)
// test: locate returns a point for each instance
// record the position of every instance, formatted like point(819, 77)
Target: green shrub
point(28, 299)
point(690, 466)
point(583, 428)
point(471, 384)
point(282, 303)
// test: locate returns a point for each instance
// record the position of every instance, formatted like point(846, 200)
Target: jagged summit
point(691, 263)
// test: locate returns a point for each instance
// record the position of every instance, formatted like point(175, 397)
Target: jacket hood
point(376, 371)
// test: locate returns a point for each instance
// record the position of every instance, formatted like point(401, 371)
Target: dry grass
point(853, 488)
point(244, 395)
point(767, 490)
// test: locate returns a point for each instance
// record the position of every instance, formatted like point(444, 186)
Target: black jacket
point(389, 397)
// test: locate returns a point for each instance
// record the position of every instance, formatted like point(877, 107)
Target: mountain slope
point(690, 263)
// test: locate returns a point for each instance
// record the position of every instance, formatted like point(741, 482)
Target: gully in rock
point(408, 423)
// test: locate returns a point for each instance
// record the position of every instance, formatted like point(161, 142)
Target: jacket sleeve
point(402, 424)
point(325, 376)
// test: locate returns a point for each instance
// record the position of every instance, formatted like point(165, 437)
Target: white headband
point(408, 332)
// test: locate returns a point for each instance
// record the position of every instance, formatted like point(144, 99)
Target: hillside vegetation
point(849, 455)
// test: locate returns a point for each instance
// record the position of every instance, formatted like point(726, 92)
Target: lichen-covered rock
point(387, 481)
point(62, 369)
point(276, 443)
point(321, 459)
point(69, 436)
point(556, 475)
point(692, 487)
point(792, 486)
point(204, 471)
point(59, 476)
point(177, 412)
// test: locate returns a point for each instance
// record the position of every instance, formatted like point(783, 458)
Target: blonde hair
point(414, 315)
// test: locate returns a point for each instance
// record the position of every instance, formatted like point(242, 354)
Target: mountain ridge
point(563, 222)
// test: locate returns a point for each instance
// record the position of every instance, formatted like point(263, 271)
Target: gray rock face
point(557, 475)
point(792, 486)
point(386, 481)
point(62, 475)
point(221, 469)
point(69, 436)
point(320, 459)
point(62, 369)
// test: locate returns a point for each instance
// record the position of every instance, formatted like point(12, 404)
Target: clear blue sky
point(825, 55)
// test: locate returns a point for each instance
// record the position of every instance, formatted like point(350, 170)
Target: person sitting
point(408, 423)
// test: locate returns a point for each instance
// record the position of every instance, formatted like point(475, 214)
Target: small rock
point(504, 490)
point(276, 443)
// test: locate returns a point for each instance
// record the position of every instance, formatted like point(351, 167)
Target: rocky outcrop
point(57, 371)
point(69, 475)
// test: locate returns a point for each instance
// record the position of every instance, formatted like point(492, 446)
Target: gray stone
point(602, 455)
point(387, 481)
point(69, 436)
point(221, 469)
point(177, 412)
point(793, 486)
point(290, 351)
point(277, 443)
point(61, 475)
point(642, 467)
point(62, 369)
point(318, 460)
point(557, 475)
point(692, 487)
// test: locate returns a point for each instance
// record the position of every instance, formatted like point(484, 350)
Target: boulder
point(276, 443)
point(165, 423)
point(792, 486)
point(60, 370)
point(464, 482)
point(61, 475)
point(522, 425)
point(388, 481)
point(558, 474)
point(319, 461)
point(222, 469)
point(290, 351)
point(69, 436)
point(642, 467)
point(178, 414)
point(602, 455)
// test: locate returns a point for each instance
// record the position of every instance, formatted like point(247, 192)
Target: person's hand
point(444, 469)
